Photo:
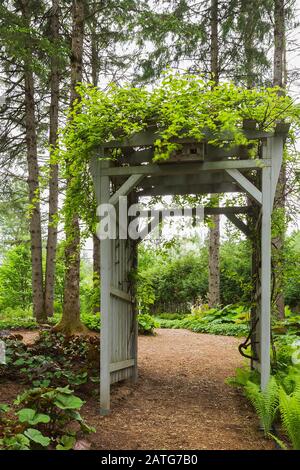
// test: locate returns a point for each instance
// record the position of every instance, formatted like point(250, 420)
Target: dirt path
point(181, 400)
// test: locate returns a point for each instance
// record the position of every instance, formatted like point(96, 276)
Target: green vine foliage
point(180, 106)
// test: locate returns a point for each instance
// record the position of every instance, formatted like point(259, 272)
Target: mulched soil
point(181, 400)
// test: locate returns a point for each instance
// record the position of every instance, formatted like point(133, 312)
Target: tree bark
point(214, 41)
point(33, 186)
point(70, 322)
point(279, 203)
point(96, 242)
point(214, 231)
point(53, 182)
point(279, 42)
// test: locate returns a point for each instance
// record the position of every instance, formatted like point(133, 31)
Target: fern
point(265, 402)
point(289, 406)
point(278, 441)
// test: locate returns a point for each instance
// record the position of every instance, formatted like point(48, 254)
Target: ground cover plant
point(20, 319)
point(52, 360)
point(232, 320)
point(43, 418)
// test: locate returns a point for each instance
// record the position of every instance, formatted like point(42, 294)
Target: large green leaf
point(86, 428)
point(68, 402)
point(17, 442)
point(66, 442)
point(27, 415)
point(4, 408)
point(64, 390)
point(36, 436)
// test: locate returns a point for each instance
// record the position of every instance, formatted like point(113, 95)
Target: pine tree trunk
point(33, 186)
point(214, 41)
point(53, 182)
point(70, 322)
point(279, 203)
point(214, 231)
point(96, 242)
point(279, 42)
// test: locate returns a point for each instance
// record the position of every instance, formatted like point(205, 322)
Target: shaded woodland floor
point(181, 400)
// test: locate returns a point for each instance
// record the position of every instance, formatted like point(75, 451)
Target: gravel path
point(180, 400)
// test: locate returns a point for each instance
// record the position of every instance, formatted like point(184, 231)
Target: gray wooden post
point(105, 332)
point(134, 350)
point(265, 311)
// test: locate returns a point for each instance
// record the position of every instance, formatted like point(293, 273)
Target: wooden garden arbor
point(198, 168)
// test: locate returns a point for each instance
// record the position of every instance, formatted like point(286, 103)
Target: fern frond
point(278, 441)
point(290, 414)
point(265, 402)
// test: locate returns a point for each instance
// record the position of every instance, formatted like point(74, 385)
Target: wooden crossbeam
point(183, 168)
point(149, 136)
point(190, 189)
point(126, 188)
point(227, 210)
point(136, 157)
point(121, 365)
point(212, 153)
point(120, 294)
point(246, 185)
point(204, 177)
point(207, 211)
point(152, 224)
point(238, 223)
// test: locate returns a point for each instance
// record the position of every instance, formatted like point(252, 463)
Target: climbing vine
point(181, 106)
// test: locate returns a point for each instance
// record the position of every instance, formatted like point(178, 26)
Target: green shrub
point(22, 319)
point(229, 321)
point(18, 325)
point(170, 316)
point(284, 351)
point(15, 278)
point(289, 379)
point(91, 321)
point(147, 324)
point(242, 376)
